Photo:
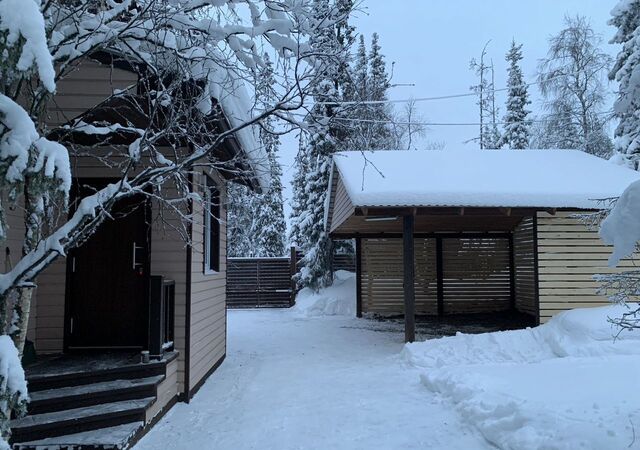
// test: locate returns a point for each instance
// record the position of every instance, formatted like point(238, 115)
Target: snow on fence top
point(481, 178)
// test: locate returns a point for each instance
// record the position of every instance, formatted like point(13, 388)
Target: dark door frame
point(68, 294)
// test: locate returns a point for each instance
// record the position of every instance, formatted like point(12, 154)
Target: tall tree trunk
point(20, 318)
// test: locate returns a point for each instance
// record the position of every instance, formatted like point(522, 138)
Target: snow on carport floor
point(291, 382)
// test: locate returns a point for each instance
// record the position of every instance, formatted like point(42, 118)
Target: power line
point(441, 97)
point(435, 124)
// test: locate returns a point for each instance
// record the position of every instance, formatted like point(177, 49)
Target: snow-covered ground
point(564, 385)
point(297, 382)
point(314, 377)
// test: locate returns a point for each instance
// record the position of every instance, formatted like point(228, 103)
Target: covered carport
point(442, 233)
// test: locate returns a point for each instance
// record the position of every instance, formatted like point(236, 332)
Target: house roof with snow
point(480, 178)
point(228, 95)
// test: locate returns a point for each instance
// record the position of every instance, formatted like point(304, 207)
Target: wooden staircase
point(88, 409)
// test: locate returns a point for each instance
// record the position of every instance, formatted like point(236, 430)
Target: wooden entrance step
point(76, 409)
point(47, 381)
point(59, 423)
point(71, 397)
point(117, 437)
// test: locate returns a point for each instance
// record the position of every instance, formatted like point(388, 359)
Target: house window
point(211, 227)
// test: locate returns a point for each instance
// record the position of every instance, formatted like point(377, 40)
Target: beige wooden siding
point(341, 207)
point(208, 296)
point(169, 259)
point(167, 391)
point(382, 276)
point(86, 86)
point(569, 255)
point(524, 270)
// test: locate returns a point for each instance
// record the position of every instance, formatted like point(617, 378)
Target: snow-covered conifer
point(516, 128)
point(626, 18)
point(381, 135)
point(322, 143)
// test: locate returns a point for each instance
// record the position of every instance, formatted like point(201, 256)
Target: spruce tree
point(239, 226)
point(381, 134)
point(516, 129)
point(626, 18)
point(359, 135)
point(314, 240)
point(270, 223)
point(256, 224)
point(298, 200)
point(267, 207)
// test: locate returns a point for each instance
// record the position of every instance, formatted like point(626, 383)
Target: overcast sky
point(432, 42)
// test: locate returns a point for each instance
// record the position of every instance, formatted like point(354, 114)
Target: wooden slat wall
point(476, 275)
point(208, 295)
point(86, 86)
point(524, 270)
point(382, 273)
point(340, 208)
point(569, 255)
point(258, 282)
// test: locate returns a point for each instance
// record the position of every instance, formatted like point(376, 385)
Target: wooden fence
point(267, 282)
point(260, 282)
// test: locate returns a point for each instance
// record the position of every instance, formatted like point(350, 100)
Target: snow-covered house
point(134, 285)
point(470, 231)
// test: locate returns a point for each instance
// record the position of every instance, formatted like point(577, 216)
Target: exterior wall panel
point(208, 295)
point(569, 255)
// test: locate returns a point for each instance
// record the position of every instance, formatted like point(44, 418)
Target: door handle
point(135, 249)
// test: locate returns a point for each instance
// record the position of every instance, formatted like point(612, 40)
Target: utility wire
point(348, 119)
point(442, 97)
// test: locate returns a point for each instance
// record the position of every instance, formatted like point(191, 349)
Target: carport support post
point(409, 275)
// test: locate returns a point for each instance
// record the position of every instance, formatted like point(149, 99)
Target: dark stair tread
point(111, 437)
point(94, 388)
point(60, 378)
point(78, 414)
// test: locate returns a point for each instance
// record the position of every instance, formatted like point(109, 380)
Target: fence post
point(293, 269)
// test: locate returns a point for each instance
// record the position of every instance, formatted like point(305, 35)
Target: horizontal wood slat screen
point(258, 282)
point(569, 255)
point(525, 269)
point(382, 273)
point(476, 275)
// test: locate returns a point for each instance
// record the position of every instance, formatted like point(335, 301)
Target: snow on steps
point(40, 426)
point(117, 437)
point(75, 378)
point(69, 397)
point(99, 408)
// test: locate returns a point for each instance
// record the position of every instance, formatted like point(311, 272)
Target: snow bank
point(339, 299)
point(621, 228)
point(562, 385)
point(578, 332)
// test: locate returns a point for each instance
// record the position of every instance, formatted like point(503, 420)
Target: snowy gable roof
point(237, 107)
point(481, 178)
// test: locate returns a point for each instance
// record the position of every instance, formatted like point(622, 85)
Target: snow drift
point(562, 385)
point(339, 299)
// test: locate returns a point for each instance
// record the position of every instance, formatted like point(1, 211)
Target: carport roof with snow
point(472, 231)
point(480, 178)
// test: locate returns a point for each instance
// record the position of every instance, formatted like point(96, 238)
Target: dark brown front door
point(107, 288)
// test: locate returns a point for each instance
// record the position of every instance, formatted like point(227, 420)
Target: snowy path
point(324, 383)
